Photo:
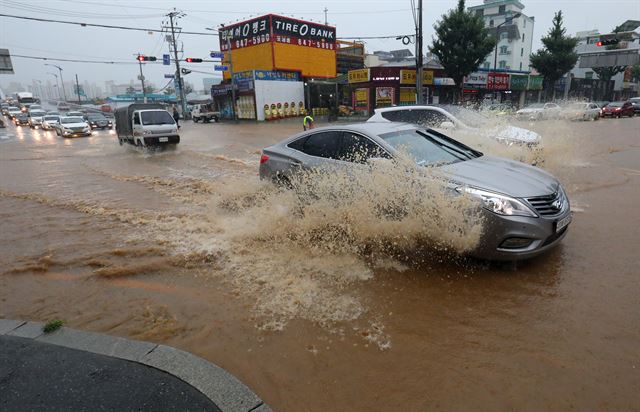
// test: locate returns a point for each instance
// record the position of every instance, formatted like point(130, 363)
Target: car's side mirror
point(447, 125)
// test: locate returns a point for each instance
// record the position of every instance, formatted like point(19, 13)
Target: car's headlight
point(147, 132)
point(497, 203)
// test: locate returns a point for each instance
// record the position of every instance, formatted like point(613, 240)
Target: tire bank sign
point(275, 42)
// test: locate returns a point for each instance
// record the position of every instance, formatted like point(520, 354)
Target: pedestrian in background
point(176, 116)
point(307, 123)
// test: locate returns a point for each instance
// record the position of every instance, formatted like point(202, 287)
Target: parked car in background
point(49, 121)
point(635, 102)
point(72, 126)
point(618, 109)
point(539, 111)
point(526, 210)
point(448, 117)
point(21, 119)
point(580, 111)
point(203, 113)
point(98, 121)
point(35, 107)
point(35, 118)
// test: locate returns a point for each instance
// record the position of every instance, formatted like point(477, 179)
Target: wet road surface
point(179, 247)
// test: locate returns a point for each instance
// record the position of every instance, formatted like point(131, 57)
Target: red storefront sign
point(498, 81)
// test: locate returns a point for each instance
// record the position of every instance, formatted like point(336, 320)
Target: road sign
point(169, 76)
point(220, 68)
point(216, 55)
point(166, 59)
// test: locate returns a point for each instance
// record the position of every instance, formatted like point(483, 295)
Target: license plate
point(562, 223)
point(163, 139)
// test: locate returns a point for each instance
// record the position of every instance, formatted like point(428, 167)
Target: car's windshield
point(37, 113)
point(428, 148)
point(50, 118)
point(76, 119)
point(615, 104)
point(96, 117)
point(467, 116)
point(13, 108)
point(156, 117)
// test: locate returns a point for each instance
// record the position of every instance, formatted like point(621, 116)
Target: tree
point(131, 90)
point(558, 55)
point(607, 73)
point(462, 42)
point(169, 91)
point(635, 73)
point(149, 89)
point(188, 88)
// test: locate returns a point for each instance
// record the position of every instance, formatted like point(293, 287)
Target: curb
point(222, 388)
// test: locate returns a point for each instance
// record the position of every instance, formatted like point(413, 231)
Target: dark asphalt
point(36, 376)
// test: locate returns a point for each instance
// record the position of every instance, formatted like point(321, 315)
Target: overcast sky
point(352, 18)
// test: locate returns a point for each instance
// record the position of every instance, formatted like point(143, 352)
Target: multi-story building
point(514, 33)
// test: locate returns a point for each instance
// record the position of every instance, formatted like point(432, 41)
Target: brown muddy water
point(321, 307)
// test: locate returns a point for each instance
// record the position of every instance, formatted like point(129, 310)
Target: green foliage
point(635, 73)
point(169, 91)
point(606, 73)
point(462, 42)
point(558, 55)
point(149, 89)
point(52, 326)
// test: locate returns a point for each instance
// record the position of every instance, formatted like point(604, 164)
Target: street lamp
point(57, 87)
point(495, 51)
point(64, 92)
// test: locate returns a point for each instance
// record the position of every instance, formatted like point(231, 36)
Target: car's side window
point(136, 118)
point(397, 115)
point(357, 148)
point(430, 118)
point(298, 144)
point(322, 144)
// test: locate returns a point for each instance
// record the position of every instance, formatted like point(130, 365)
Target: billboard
point(273, 42)
point(408, 76)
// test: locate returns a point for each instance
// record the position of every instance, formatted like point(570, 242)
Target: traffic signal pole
point(144, 95)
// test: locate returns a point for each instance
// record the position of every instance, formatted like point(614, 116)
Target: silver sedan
point(526, 210)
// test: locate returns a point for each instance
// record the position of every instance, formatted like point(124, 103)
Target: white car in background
point(35, 118)
point(581, 111)
point(539, 111)
point(49, 121)
point(448, 117)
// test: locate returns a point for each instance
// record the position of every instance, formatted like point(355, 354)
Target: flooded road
point(188, 248)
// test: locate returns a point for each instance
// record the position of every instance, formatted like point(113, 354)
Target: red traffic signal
point(607, 42)
point(142, 58)
point(193, 60)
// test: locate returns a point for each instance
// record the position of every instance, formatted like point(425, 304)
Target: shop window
point(358, 149)
point(323, 144)
point(486, 65)
point(503, 49)
point(490, 23)
point(503, 64)
point(502, 9)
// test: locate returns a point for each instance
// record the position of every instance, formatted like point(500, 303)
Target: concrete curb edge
point(224, 389)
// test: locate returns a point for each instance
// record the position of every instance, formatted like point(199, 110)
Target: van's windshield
point(156, 117)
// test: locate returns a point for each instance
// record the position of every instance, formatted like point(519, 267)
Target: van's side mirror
point(447, 125)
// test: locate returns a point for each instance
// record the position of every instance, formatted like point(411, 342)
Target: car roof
point(368, 128)
point(415, 106)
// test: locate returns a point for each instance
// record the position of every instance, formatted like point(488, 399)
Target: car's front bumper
point(161, 140)
point(540, 230)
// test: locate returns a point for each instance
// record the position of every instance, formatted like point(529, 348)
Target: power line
point(70, 60)
point(105, 26)
point(71, 13)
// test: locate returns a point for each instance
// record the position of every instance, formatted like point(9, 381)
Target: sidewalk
point(81, 371)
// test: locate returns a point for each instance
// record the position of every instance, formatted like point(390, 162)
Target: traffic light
point(185, 71)
point(142, 58)
point(193, 60)
point(607, 42)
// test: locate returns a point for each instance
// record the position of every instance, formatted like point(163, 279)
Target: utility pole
point(78, 89)
point(144, 96)
point(325, 15)
point(64, 92)
point(419, 63)
point(175, 15)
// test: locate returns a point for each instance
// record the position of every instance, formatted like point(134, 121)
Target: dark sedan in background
point(526, 210)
